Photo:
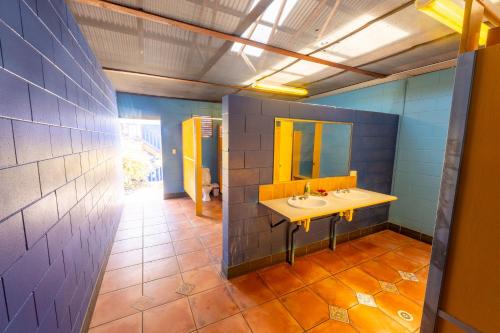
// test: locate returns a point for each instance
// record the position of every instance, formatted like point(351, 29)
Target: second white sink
point(351, 195)
point(310, 202)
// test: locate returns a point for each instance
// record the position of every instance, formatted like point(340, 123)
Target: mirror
point(305, 149)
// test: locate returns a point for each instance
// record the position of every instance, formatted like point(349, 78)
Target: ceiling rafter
point(180, 80)
point(364, 26)
point(95, 23)
point(411, 48)
point(221, 35)
point(254, 14)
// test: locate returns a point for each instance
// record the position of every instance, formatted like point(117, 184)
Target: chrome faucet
point(345, 190)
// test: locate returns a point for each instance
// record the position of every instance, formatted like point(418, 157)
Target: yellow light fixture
point(285, 90)
point(450, 14)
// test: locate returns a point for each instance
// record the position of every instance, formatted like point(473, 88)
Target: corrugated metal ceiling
point(127, 43)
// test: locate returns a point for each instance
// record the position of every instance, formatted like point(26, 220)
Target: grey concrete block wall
point(248, 143)
point(60, 184)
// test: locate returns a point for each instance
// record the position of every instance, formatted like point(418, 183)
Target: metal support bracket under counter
point(336, 205)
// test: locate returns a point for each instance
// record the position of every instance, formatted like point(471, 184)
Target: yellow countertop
point(334, 205)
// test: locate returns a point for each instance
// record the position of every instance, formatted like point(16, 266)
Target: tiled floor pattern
point(163, 276)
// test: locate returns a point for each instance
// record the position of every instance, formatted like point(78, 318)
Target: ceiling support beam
point(221, 35)
point(179, 80)
point(257, 11)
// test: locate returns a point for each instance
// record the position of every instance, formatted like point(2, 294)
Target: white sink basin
point(310, 202)
point(351, 195)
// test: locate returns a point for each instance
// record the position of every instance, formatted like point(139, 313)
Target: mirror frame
point(276, 145)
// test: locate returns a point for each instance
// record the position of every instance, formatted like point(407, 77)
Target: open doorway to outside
point(142, 158)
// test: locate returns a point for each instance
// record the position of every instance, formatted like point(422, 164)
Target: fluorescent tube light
point(285, 90)
point(450, 14)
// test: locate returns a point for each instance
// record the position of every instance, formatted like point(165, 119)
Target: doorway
point(142, 157)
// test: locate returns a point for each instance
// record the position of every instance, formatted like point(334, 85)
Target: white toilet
point(206, 184)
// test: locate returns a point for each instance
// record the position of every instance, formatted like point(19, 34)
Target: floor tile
point(385, 242)
point(175, 316)
point(155, 229)
point(359, 281)
point(179, 226)
point(158, 252)
point(368, 247)
point(271, 317)
point(160, 268)
point(215, 253)
point(399, 263)
point(373, 320)
point(154, 221)
point(175, 217)
point(396, 237)
point(157, 239)
point(115, 305)
point(193, 260)
point(211, 306)
point(335, 292)
point(351, 254)
point(308, 271)
point(330, 261)
point(392, 304)
point(130, 324)
point(413, 290)
point(333, 326)
point(414, 254)
point(163, 290)
point(380, 271)
point(203, 278)
point(121, 278)
point(249, 290)
point(182, 234)
point(212, 239)
point(128, 233)
point(127, 245)
point(306, 307)
point(124, 259)
point(187, 245)
point(233, 324)
point(280, 279)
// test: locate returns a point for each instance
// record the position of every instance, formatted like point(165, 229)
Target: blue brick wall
point(246, 224)
point(59, 168)
point(172, 112)
point(423, 103)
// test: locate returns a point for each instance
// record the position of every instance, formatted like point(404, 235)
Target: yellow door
point(191, 160)
point(284, 143)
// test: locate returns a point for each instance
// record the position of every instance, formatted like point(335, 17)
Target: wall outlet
point(174, 151)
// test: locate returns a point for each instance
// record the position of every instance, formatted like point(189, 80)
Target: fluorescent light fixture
point(285, 90)
point(450, 14)
point(305, 68)
point(367, 40)
point(260, 34)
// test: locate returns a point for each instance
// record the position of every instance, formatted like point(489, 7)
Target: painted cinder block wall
point(60, 184)
point(423, 103)
point(248, 143)
point(172, 112)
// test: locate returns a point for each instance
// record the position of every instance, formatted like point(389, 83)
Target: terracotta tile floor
point(163, 276)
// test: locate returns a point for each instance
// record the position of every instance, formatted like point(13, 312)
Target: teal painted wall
point(423, 103)
point(172, 112)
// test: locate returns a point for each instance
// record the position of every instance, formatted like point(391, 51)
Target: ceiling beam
point(240, 29)
point(221, 35)
point(178, 80)
point(408, 49)
point(364, 26)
